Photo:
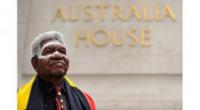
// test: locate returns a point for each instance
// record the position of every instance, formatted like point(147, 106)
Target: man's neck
point(56, 81)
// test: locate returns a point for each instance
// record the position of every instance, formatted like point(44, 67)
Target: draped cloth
point(30, 97)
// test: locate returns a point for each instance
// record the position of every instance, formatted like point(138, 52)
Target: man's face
point(53, 60)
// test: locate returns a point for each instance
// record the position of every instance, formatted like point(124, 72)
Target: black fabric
point(42, 97)
point(49, 94)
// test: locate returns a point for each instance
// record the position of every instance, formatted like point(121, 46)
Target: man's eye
point(62, 51)
point(49, 51)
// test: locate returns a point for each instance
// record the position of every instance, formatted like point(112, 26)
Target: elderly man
point(50, 89)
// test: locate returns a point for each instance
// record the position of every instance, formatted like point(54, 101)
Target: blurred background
point(127, 54)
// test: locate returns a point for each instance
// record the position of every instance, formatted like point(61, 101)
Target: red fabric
point(58, 105)
point(90, 101)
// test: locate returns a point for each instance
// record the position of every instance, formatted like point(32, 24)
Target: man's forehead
point(51, 43)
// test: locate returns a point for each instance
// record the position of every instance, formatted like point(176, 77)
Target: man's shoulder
point(90, 101)
point(70, 82)
point(26, 85)
point(86, 95)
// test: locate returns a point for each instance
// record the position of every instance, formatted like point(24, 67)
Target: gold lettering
point(145, 13)
point(135, 12)
point(59, 15)
point(71, 17)
point(131, 33)
point(144, 37)
point(104, 42)
point(115, 41)
point(102, 12)
point(117, 13)
point(157, 12)
point(169, 13)
point(89, 13)
point(87, 38)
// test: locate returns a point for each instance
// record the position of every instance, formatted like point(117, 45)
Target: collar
point(48, 87)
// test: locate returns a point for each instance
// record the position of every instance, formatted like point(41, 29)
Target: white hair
point(49, 36)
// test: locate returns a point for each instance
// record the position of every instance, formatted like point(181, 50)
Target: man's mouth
point(58, 64)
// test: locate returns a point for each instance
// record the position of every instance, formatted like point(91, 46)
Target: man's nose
point(56, 56)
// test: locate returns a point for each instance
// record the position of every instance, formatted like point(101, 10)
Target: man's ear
point(34, 62)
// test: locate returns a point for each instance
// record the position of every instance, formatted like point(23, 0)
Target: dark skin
point(53, 64)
